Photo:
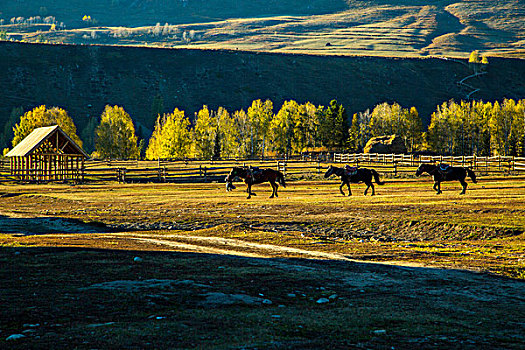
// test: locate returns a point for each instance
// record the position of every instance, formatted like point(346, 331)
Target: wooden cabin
point(47, 154)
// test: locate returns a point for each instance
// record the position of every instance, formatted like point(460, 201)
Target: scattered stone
point(137, 259)
point(135, 286)
point(15, 337)
point(322, 301)
point(332, 297)
point(215, 299)
point(30, 325)
point(291, 295)
point(379, 331)
point(95, 325)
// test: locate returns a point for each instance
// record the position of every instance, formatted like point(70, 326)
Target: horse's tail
point(376, 177)
point(280, 179)
point(472, 175)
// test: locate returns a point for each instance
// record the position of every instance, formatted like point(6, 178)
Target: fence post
point(205, 174)
point(318, 167)
point(395, 168)
point(200, 170)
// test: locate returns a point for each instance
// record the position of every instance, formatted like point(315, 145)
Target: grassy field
point(190, 265)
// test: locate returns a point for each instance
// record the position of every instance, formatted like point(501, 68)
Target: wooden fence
point(397, 164)
point(305, 168)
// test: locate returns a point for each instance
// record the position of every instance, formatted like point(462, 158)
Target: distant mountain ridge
point(391, 28)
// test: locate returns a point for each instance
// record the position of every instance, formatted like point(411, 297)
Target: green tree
point(7, 132)
point(115, 135)
point(88, 134)
point(337, 121)
point(41, 116)
point(157, 106)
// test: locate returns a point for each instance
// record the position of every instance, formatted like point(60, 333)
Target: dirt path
point(409, 275)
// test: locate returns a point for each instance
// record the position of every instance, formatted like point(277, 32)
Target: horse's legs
point(349, 190)
point(249, 190)
point(464, 185)
point(437, 187)
point(274, 189)
point(373, 189)
point(341, 188)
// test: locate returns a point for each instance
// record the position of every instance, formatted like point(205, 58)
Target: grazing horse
point(448, 173)
point(354, 175)
point(254, 176)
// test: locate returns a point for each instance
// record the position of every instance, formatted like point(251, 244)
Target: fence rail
point(403, 162)
point(204, 171)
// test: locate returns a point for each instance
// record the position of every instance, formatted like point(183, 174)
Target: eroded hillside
point(408, 28)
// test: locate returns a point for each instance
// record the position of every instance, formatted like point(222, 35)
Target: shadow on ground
point(88, 298)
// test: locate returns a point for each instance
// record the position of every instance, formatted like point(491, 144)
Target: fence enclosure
point(133, 171)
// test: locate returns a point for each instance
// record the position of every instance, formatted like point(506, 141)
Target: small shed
point(47, 154)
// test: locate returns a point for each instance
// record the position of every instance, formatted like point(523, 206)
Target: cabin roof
point(38, 136)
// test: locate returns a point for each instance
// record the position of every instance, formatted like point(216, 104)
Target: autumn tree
point(360, 131)
point(229, 135)
point(205, 131)
point(171, 138)
point(281, 129)
point(243, 134)
point(260, 115)
point(41, 116)
point(115, 135)
point(414, 134)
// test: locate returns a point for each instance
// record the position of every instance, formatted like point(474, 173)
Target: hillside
point(398, 28)
point(82, 79)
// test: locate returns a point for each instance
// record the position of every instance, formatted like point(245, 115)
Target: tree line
point(456, 128)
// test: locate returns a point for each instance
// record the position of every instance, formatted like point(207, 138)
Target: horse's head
point(423, 167)
point(329, 172)
point(236, 171)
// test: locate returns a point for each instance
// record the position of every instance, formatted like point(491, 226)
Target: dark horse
point(355, 175)
point(450, 173)
point(254, 176)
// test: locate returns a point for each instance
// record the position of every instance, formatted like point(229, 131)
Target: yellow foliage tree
point(41, 116)
point(115, 135)
point(171, 138)
point(205, 132)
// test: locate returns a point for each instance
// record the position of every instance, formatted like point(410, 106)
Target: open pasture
point(310, 269)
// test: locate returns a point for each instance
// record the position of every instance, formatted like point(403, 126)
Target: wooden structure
point(47, 154)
